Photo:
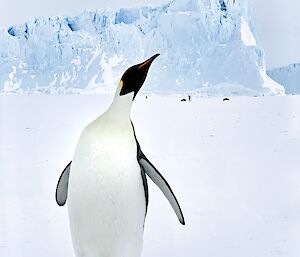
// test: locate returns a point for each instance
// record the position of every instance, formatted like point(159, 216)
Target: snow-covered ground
point(233, 165)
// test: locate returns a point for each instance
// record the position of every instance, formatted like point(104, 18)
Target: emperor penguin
point(105, 183)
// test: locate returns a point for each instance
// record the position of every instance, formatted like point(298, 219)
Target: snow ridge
point(201, 42)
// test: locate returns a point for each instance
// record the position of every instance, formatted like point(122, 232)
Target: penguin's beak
point(148, 62)
point(142, 70)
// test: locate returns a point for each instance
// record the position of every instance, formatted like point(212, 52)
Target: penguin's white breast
point(105, 161)
point(106, 195)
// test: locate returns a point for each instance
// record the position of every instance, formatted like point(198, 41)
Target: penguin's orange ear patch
point(121, 84)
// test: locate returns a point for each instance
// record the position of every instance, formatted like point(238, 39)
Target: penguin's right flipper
point(61, 193)
point(160, 181)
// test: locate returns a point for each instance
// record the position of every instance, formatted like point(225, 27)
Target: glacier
point(288, 76)
point(207, 47)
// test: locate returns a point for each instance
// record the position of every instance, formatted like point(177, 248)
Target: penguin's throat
point(121, 106)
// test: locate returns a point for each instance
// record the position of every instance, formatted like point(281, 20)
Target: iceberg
point(288, 76)
point(205, 45)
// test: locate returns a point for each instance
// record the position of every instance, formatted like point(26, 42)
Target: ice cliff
point(206, 46)
point(288, 76)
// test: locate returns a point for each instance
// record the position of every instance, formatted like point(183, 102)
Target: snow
point(246, 34)
point(83, 53)
point(289, 76)
point(269, 83)
point(233, 165)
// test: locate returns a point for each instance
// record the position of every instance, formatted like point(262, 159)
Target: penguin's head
point(134, 77)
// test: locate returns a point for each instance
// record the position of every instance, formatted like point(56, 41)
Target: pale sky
point(279, 30)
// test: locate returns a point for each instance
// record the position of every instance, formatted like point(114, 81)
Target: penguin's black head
point(133, 78)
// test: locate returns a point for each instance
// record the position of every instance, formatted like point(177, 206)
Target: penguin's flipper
point(61, 193)
point(160, 181)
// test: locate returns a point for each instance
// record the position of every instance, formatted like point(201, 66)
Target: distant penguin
point(106, 183)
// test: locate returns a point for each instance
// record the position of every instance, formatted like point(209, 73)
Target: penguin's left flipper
point(61, 193)
point(160, 181)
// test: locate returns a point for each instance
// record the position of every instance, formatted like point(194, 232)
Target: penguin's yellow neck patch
point(121, 84)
